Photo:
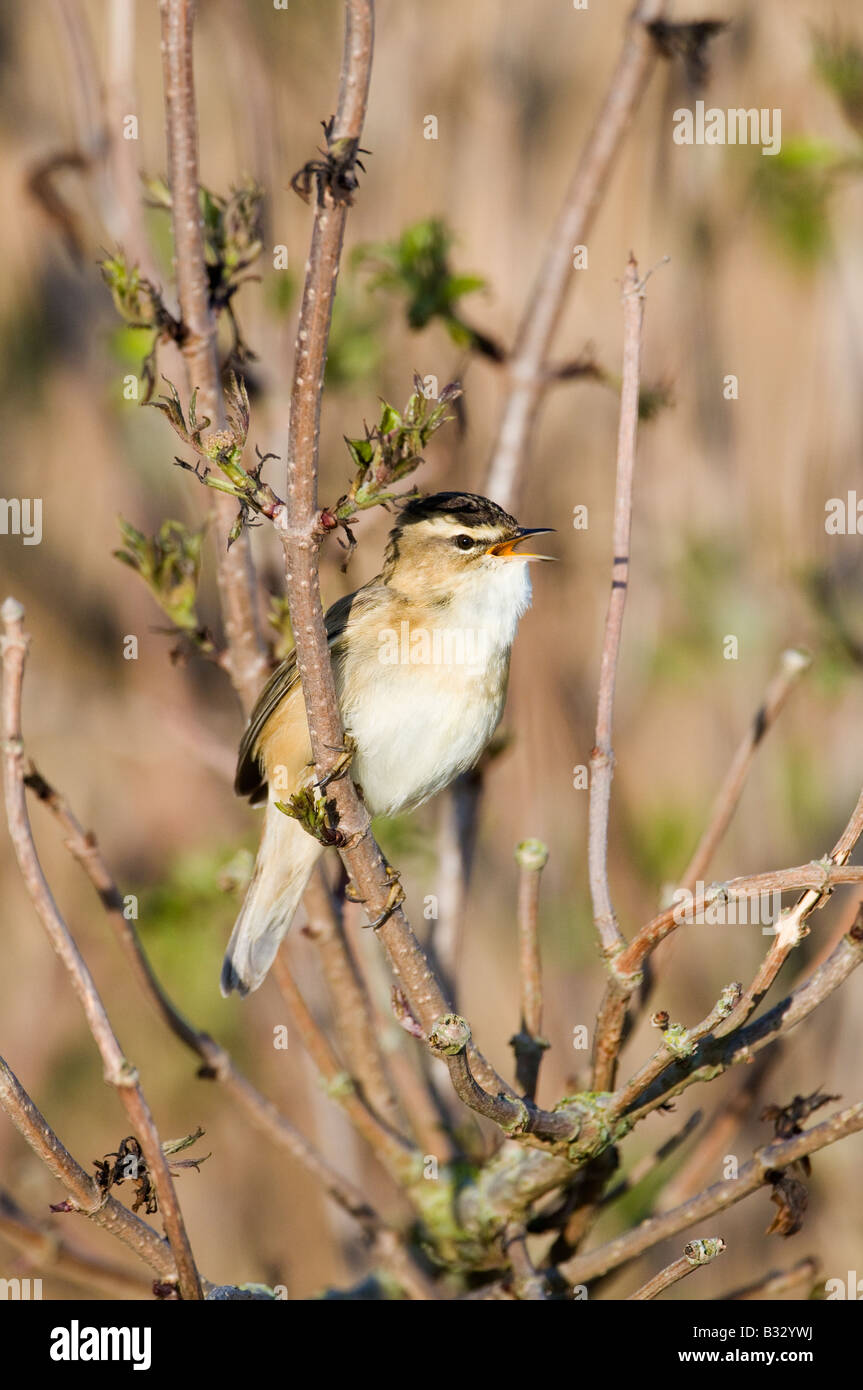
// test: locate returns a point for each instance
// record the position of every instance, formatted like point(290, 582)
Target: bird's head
point(445, 543)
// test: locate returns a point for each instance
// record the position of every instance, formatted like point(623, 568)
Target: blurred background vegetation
point(765, 282)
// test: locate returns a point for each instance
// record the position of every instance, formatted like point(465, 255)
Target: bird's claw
point(395, 896)
point(340, 766)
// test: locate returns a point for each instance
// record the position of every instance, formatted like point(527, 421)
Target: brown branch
point(528, 373)
point(247, 656)
point(527, 368)
point(717, 1134)
point(50, 1252)
point(449, 1039)
point(528, 1044)
point(355, 1019)
point(695, 1255)
point(607, 1035)
point(676, 1042)
point(456, 847)
point(217, 1062)
point(819, 876)
point(612, 1012)
point(428, 1124)
point(298, 525)
point(124, 212)
point(649, 1162)
point(602, 757)
point(720, 1197)
point(793, 664)
point(527, 1283)
point(401, 1159)
point(715, 1055)
point(83, 1195)
point(792, 927)
point(117, 1071)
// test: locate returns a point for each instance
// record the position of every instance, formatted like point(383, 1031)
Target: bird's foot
point(340, 767)
point(395, 896)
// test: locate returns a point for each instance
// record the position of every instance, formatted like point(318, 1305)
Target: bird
point(421, 657)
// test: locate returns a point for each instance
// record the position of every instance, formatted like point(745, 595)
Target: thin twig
point(528, 374)
point(47, 1250)
point(356, 1022)
point(247, 657)
point(529, 1044)
point(793, 664)
point(602, 757)
point(792, 927)
point(124, 211)
point(449, 1039)
point(717, 1135)
point(651, 1161)
point(217, 1062)
point(528, 1284)
point(83, 1194)
point(396, 1155)
point(526, 368)
point(819, 877)
point(695, 1255)
point(677, 1042)
point(720, 1197)
point(118, 1072)
point(456, 847)
point(715, 1055)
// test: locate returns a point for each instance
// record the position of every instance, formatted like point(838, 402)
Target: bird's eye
point(464, 542)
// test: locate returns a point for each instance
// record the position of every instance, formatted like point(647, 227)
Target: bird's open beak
point(507, 549)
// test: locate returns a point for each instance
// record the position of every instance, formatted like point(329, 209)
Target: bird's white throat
point(493, 599)
point(426, 707)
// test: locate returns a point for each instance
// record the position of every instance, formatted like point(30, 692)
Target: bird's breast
point(422, 690)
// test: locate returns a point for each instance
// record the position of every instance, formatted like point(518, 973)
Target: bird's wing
point(249, 780)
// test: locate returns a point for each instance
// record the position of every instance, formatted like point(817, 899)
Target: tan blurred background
point(764, 282)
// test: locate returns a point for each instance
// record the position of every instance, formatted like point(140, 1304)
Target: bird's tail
point(286, 857)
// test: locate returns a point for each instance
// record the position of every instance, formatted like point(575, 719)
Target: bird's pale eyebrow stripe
point(454, 526)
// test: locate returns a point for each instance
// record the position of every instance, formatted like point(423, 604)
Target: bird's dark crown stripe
point(464, 508)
